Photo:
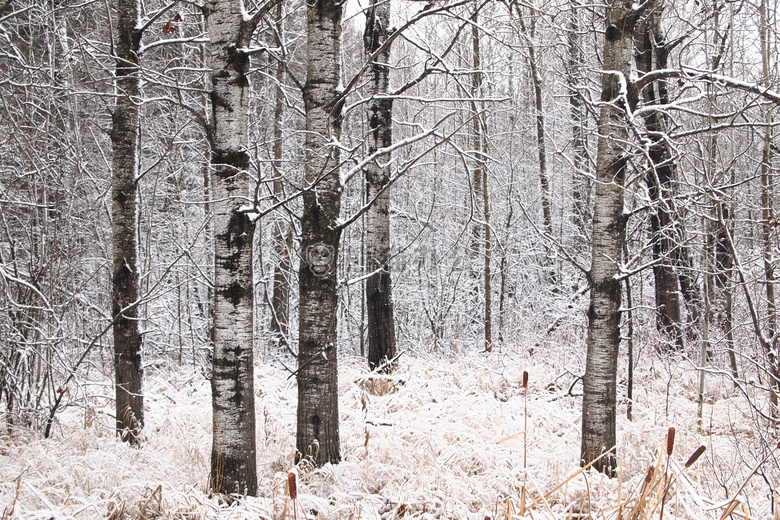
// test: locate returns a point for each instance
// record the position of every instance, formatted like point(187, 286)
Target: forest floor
point(442, 438)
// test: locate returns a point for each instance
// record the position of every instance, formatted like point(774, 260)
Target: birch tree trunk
point(233, 452)
point(379, 303)
point(599, 401)
point(124, 217)
point(318, 410)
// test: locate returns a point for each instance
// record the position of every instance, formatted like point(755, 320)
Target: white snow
point(441, 438)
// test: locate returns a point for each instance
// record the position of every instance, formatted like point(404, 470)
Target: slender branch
point(426, 11)
point(155, 17)
point(701, 75)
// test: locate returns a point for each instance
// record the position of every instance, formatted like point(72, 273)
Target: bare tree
point(317, 375)
point(599, 402)
point(580, 160)
point(481, 230)
point(124, 218)
point(282, 230)
point(529, 34)
point(233, 453)
point(379, 302)
point(768, 223)
point(652, 52)
point(53, 178)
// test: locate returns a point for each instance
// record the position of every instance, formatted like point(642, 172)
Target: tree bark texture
point(475, 196)
point(768, 238)
point(318, 410)
point(651, 54)
point(481, 172)
point(233, 453)
point(379, 303)
point(599, 400)
point(124, 216)
point(721, 287)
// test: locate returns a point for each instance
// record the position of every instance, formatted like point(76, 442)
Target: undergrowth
point(487, 437)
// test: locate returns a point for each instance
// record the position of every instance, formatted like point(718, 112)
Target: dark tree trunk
point(233, 452)
point(379, 303)
point(723, 307)
point(599, 402)
point(318, 410)
point(529, 33)
point(651, 54)
point(481, 172)
point(124, 216)
point(480, 232)
point(722, 286)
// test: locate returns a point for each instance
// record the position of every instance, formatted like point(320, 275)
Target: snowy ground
point(443, 438)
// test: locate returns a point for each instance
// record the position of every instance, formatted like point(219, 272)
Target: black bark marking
point(612, 33)
point(315, 422)
point(239, 61)
point(234, 293)
point(238, 160)
point(240, 230)
point(218, 101)
point(330, 9)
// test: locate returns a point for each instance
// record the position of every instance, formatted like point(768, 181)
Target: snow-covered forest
point(389, 259)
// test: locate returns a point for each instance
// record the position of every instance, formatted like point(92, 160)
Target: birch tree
point(599, 400)
point(233, 452)
point(317, 435)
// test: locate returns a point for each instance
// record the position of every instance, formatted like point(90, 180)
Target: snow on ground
point(442, 438)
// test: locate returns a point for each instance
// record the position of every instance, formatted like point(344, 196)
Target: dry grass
point(470, 438)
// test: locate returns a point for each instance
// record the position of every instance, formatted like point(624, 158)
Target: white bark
point(599, 400)
point(233, 456)
point(318, 414)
